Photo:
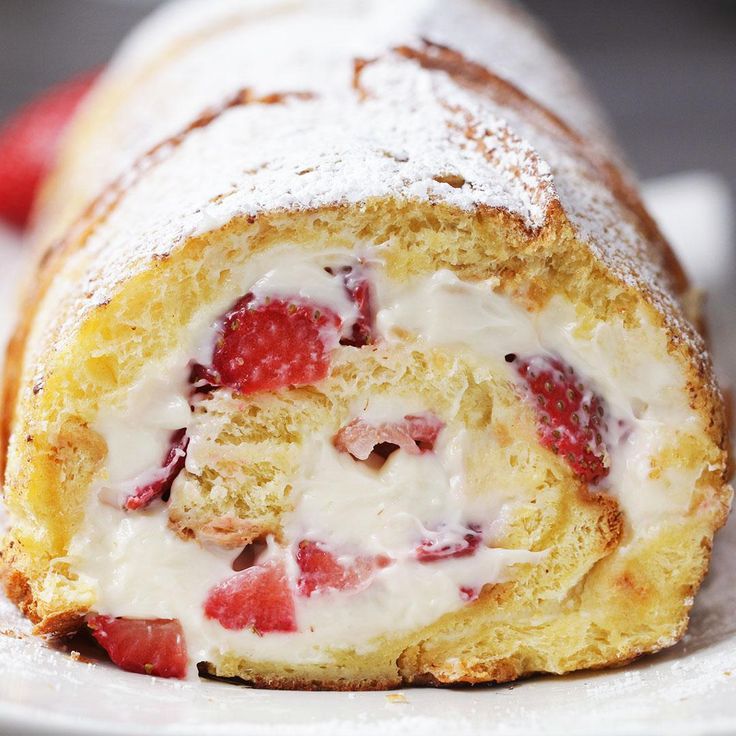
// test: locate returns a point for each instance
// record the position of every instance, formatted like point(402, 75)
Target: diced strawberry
point(359, 289)
point(321, 571)
point(469, 594)
point(360, 438)
point(161, 484)
point(442, 548)
point(148, 646)
point(28, 143)
point(203, 378)
point(414, 434)
point(258, 598)
point(423, 429)
point(274, 344)
point(571, 417)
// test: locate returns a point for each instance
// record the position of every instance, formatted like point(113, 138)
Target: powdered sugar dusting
point(191, 56)
point(407, 131)
point(404, 141)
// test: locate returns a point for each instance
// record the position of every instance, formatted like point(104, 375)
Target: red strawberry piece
point(321, 571)
point(469, 594)
point(359, 289)
point(274, 344)
point(148, 646)
point(442, 548)
point(571, 417)
point(258, 598)
point(414, 434)
point(164, 478)
point(423, 429)
point(203, 378)
point(28, 145)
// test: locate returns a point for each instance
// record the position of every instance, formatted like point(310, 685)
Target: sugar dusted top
point(407, 104)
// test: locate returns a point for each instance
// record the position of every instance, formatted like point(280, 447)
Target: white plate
point(690, 688)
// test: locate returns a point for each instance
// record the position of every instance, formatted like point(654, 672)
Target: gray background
point(664, 69)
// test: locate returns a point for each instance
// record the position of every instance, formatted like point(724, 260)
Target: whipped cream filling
point(138, 437)
point(139, 568)
point(138, 423)
point(644, 394)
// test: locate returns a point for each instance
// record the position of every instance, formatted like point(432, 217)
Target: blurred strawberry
point(360, 291)
point(28, 143)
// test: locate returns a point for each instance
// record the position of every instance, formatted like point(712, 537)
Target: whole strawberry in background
point(29, 141)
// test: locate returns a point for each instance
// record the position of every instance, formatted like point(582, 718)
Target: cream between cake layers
point(365, 546)
point(385, 379)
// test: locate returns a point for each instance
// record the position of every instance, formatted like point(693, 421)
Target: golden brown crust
point(477, 77)
point(17, 589)
point(302, 683)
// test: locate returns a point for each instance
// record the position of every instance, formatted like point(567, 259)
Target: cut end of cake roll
point(401, 394)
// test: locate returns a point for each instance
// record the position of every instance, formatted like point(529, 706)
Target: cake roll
point(353, 360)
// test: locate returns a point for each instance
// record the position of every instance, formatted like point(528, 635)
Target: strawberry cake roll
point(355, 363)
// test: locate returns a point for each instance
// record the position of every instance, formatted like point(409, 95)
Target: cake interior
point(409, 515)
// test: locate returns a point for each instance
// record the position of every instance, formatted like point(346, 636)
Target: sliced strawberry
point(274, 344)
point(359, 289)
point(414, 434)
point(444, 547)
point(571, 417)
point(164, 478)
point(321, 571)
point(258, 598)
point(148, 646)
point(28, 144)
